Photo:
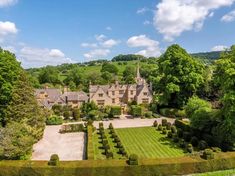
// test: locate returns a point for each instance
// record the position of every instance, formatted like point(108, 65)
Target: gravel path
point(69, 146)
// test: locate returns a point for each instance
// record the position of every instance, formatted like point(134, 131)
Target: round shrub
point(155, 123)
point(54, 120)
point(169, 134)
point(173, 129)
point(159, 127)
point(202, 145)
point(105, 142)
point(168, 126)
point(182, 143)
point(186, 136)
point(109, 154)
point(114, 135)
point(133, 159)
point(54, 160)
point(116, 139)
point(194, 141)
point(208, 154)
point(164, 122)
point(101, 124)
point(164, 131)
point(110, 126)
point(119, 144)
point(106, 147)
point(216, 149)
point(190, 148)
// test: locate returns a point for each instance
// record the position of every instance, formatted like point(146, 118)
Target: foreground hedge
point(178, 166)
point(90, 148)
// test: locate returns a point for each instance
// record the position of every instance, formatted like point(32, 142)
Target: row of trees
point(21, 119)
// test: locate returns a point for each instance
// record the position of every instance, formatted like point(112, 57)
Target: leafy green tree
point(107, 77)
point(181, 76)
point(129, 74)
point(49, 74)
point(9, 72)
point(108, 67)
point(195, 103)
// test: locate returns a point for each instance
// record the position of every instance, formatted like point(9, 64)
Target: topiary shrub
point(164, 131)
point(159, 127)
point(194, 141)
point(101, 124)
point(109, 154)
point(186, 136)
point(54, 160)
point(208, 154)
point(169, 134)
point(116, 139)
point(168, 126)
point(182, 143)
point(148, 114)
point(119, 145)
point(133, 159)
point(173, 129)
point(190, 148)
point(113, 135)
point(106, 147)
point(110, 126)
point(155, 123)
point(164, 122)
point(105, 142)
point(202, 145)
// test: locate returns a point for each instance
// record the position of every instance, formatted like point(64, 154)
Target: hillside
point(213, 55)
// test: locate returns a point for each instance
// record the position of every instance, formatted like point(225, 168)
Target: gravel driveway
point(69, 146)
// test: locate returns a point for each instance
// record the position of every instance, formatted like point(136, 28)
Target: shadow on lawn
point(171, 144)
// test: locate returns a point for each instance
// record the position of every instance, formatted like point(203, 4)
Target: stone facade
point(119, 95)
point(48, 97)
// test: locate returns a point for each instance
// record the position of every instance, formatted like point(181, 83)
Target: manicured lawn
point(218, 173)
point(147, 142)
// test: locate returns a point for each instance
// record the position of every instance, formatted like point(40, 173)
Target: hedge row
point(147, 167)
point(90, 149)
point(72, 128)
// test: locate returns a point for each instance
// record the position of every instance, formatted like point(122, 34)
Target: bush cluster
point(72, 128)
point(54, 120)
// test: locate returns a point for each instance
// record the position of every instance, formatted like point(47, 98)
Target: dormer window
point(145, 93)
point(100, 95)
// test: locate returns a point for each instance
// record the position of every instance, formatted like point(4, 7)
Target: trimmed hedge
point(178, 166)
point(54, 160)
point(90, 149)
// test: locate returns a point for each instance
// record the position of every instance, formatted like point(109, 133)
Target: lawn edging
point(166, 166)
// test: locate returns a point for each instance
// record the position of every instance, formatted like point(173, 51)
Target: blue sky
point(51, 32)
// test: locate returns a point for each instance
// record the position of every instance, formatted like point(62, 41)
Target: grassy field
point(147, 142)
point(218, 173)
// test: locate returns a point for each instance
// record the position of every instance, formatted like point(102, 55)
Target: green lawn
point(218, 173)
point(147, 142)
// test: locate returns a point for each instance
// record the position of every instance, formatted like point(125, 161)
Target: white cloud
point(7, 28)
point(89, 45)
point(219, 48)
point(151, 47)
point(172, 17)
point(229, 17)
point(10, 48)
point(56, 53)
point(108, 28)
point(146, 22)
point(94, 54)
point(142, 10)
point(38, 57)
point(110, 43)
point(5, 3)
point(100, 37)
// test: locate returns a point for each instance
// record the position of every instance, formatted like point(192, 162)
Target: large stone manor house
point(113, 95)
point(120, 94)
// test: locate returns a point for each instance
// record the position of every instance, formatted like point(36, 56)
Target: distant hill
point(213, 55)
